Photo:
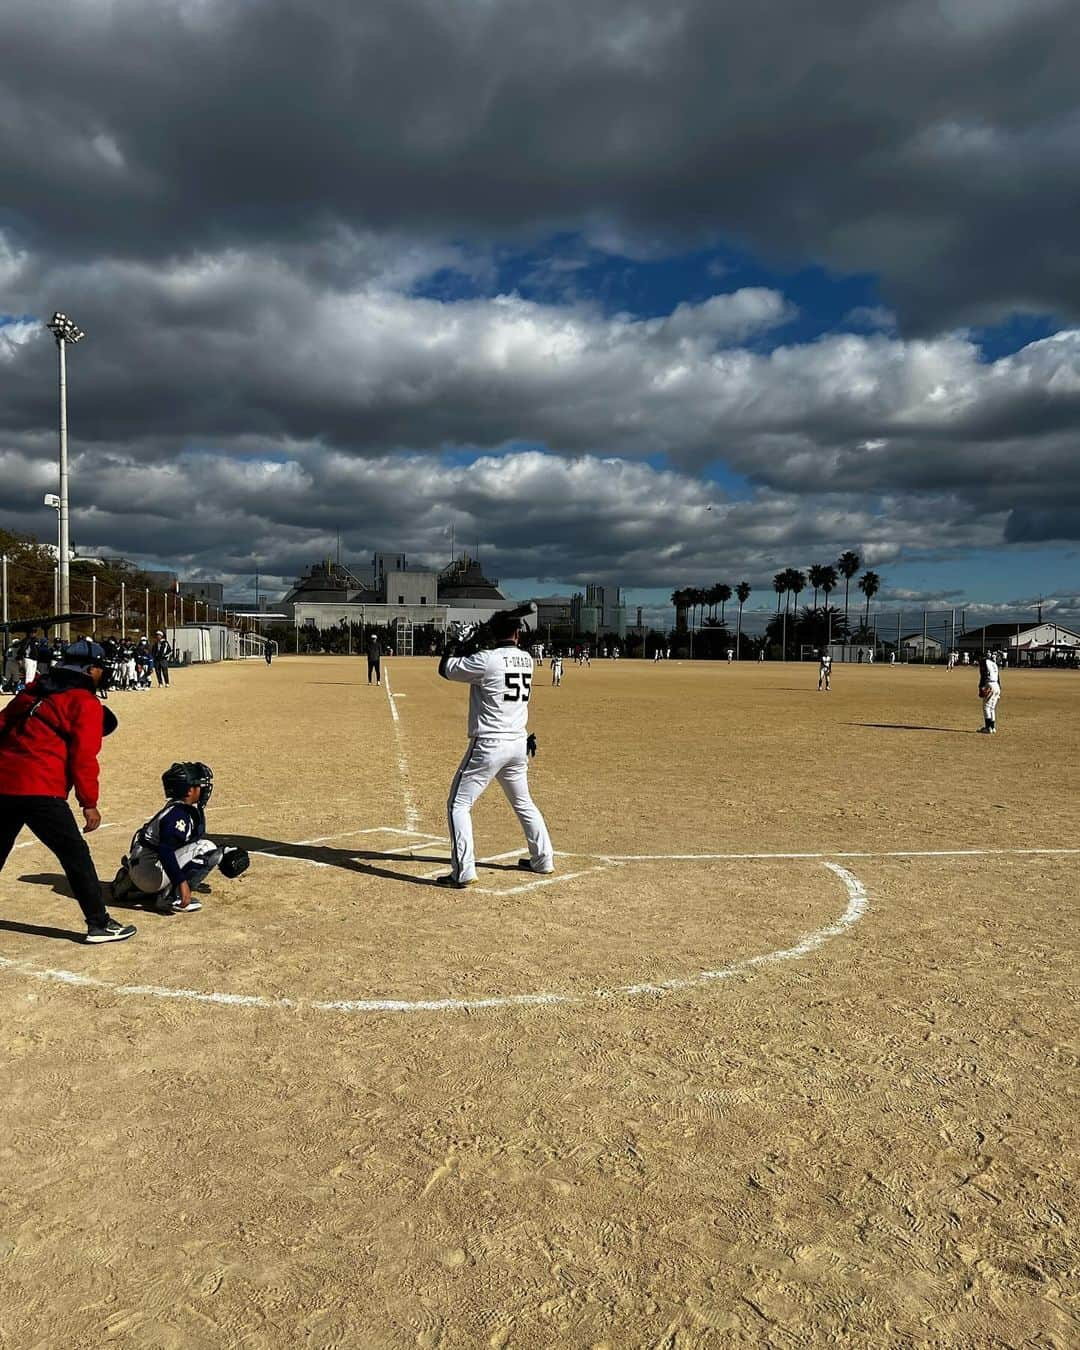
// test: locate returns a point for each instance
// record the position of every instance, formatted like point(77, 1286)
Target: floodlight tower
point(64, 330)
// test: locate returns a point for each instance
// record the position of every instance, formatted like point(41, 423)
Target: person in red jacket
point(50, 736)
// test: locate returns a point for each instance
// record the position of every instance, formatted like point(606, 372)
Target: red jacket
point(48, 749)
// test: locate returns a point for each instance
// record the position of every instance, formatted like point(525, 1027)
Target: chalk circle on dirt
point(857, 904)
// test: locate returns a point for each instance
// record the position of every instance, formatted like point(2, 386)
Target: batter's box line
point(858, 903)
point(820, 857)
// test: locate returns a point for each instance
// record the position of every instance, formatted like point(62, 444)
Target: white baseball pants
point(991, 701)
point(491, 757)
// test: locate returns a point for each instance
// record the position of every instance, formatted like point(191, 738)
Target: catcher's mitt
point(984, 691)
point(234, 862)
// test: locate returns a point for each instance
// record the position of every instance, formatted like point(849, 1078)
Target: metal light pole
point(64, 330)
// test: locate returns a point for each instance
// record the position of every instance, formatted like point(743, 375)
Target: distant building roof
point(329, 582)
point(463, 580)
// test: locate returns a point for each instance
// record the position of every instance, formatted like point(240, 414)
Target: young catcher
point(170, 855)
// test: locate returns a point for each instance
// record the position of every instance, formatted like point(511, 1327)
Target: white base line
point(817, 857)
point(412, 815)
point(856, 907)
point(858, 903)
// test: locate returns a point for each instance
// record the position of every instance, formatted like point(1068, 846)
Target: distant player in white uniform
point(500, 683)
point(824, 673)
point(989, 692)
point(556, 669)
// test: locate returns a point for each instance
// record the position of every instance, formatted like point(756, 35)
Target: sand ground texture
point(871, 1144)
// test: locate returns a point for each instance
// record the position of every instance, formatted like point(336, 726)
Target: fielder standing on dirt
point(989, 692)
point(499, 746)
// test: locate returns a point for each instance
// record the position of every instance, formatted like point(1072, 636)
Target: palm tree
point(678, 599)
point(713, 595)
point(869, 584)
point(742, 590)
point(723, 594)
point(848, 563)
point(779, 585)
point(796, 584)
point(786, 578)
point(827, 581)
point(701, 599)
point(814, 571)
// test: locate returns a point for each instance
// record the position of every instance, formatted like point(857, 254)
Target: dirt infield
point(672, 1097)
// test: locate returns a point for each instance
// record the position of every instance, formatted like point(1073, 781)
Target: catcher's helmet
point(179, 779)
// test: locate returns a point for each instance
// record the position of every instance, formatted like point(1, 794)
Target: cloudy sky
point(652, 294)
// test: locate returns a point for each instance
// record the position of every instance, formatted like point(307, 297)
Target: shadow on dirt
point(906, 726)
point(352, 859)
point(40, 930)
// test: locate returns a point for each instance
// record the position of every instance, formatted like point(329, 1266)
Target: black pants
point(373, 669)
point(51, 820)
point(161, 670)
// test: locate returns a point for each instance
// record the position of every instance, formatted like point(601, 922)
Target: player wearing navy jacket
point(170, 855)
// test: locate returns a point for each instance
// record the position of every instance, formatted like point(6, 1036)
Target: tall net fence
point(126, 608)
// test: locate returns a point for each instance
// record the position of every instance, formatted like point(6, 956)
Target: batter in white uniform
point(500, 683)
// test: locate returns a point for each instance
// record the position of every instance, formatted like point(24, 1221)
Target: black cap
point(504, 624)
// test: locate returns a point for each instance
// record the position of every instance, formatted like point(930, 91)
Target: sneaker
point(984, 731)
point(452, 883)
point(527, 865)
point(191, 906)
point(110, 931)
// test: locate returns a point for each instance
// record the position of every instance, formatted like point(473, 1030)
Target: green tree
point(723, 594)
point(796, 584)
point(848, 564)
point(828, 582)
point(869, 584)
point(780, 586)
point(815, 572)
point(742, 591)
point(679, 600)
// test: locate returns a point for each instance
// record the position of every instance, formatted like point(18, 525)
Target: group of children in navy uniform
point(129, 665)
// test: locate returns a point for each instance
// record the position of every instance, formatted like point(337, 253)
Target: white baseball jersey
point(990, 673)
point(501, 683)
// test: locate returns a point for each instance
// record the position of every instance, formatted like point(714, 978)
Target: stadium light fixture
point(64, 329)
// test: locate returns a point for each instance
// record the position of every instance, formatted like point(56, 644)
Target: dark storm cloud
point(931, 141)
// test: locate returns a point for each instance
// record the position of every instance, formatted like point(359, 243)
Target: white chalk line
point(412, 815)
point(858, 902)
point(818, 857)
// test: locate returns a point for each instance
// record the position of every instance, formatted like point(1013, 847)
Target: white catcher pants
point(491, 757)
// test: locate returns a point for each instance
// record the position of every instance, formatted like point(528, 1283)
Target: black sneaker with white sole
point(110, 931)
point(527, 865)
